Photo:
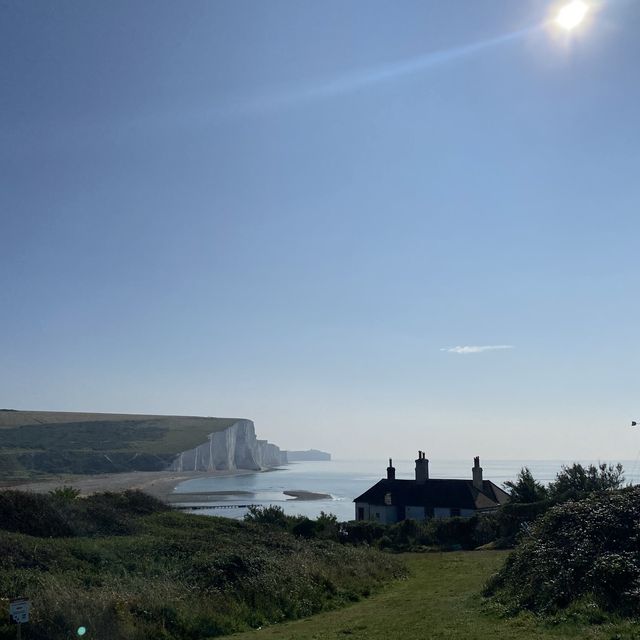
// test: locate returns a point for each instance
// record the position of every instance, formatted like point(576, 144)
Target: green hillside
point(126, 567)
point(43, 442)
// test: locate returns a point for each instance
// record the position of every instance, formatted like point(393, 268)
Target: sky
point(370, 227)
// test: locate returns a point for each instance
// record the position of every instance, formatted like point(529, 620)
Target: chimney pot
point(477, 474)
point(391, 472)
point(422, 468)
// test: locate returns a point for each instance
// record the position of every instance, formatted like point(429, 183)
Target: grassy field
point(59, 442)
point(127, 567)
point(439, 601)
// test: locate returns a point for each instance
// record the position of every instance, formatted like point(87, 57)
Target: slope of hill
point(41, 442)
point(125, 566)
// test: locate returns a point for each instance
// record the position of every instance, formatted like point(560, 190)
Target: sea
point(343, 480)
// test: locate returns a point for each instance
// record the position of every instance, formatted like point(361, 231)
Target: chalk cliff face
point(234, 448)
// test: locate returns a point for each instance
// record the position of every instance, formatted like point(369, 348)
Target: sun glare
point(572, 14)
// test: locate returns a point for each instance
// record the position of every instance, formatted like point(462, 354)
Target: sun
point(572, 14)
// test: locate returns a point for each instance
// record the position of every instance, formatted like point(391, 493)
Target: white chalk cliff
point(234, 448)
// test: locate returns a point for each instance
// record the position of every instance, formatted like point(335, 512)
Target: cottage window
point(387, 498)
point(360, 513)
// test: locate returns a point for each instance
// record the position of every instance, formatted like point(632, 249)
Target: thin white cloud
point(478, 348)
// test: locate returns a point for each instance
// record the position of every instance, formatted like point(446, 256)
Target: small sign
point(19, 610)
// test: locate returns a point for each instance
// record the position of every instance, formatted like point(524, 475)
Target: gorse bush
point(126, 567)
point(585, 552)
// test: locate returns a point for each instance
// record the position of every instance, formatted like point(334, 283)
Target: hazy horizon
point(370, 228)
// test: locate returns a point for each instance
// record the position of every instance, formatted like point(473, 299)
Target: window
point(387, 498)
point(360, 513)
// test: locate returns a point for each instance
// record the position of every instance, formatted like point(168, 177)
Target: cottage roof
point(436, 492)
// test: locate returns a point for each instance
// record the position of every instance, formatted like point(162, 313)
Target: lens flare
point(572, 14)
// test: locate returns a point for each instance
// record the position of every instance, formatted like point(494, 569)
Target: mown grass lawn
point(440, 600)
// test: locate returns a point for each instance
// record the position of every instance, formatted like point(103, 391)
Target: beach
point(159, 484)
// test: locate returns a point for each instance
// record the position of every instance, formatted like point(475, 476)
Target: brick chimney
point(477, 473)
point(422, 468)
point(391, 471)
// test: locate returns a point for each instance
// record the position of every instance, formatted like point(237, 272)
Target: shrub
point(363, 532)
point(587, 549)
point(513, 518)
point(64, 494)
point(271, 515)
point(33, 514)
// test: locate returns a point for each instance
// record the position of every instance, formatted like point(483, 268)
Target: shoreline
point(159, 484)
point(228, 496)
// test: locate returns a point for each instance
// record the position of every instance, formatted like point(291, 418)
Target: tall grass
point(124, 566)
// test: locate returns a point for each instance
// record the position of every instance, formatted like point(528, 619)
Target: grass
point(439, 601)
point(128, 568)
point(46, 430)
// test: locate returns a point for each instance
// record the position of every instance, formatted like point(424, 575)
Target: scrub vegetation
point(442, 534)
point(126, 566)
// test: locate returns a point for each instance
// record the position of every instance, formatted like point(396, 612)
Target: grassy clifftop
point(33, 442)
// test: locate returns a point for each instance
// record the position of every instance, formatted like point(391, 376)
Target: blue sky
point(290, 211)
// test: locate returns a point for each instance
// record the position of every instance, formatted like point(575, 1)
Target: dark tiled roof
point(456, 494)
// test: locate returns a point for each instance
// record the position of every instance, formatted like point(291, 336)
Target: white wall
point(415, 513)
point(389, 514)
point(381, 514)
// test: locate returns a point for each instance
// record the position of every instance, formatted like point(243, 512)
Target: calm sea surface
point(343, 480)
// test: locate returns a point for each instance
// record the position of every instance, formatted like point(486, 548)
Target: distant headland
point(309, 454)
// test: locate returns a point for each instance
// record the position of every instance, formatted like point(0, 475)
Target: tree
point(577, 480)
point(525, 488)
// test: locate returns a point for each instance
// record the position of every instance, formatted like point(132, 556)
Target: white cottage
point(392, 500)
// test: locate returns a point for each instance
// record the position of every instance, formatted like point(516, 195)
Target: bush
point(271, 515)
point(61, 513)
point(33, 514)
point(64, 494)
point(587, 549)
point(513, 518)
point(363, 532)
